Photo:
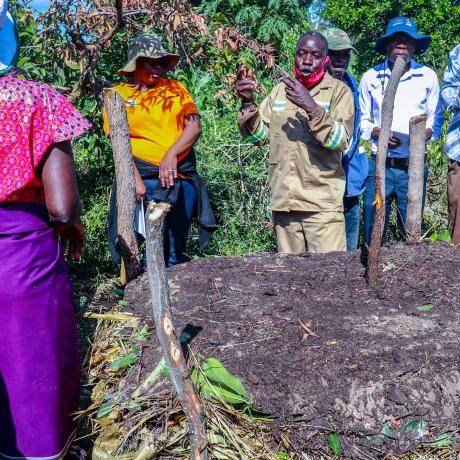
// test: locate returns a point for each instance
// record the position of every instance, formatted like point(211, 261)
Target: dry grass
point(133, 413)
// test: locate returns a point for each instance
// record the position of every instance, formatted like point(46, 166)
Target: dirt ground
point(319, 350)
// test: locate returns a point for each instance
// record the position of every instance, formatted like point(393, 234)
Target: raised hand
point(298, 94)
point(246, 83)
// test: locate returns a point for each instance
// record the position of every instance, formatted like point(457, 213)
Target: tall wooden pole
point(382, 147)
point(417, 126)
point(172, 351)
point(126, 186)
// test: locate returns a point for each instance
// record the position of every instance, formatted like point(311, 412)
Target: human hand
point(246, 84)
point(298, 94)
point(168, 169)
point(393, 141)
point(141, 190)
point(72, 239)
point(428, 134)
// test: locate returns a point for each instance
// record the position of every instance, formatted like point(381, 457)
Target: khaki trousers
point(298, 231)
point(453, 195)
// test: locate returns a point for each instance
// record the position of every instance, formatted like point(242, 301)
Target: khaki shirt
point(305, 162)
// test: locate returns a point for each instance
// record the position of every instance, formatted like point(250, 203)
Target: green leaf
point(444, 236)
point(283, 456)
point(218, 376)
point(443, 440)
point(416, 428)
point(142, 334)
point(425, 307)
point(123, 302)
point(166, 373)
point(126, 361)
point(387, 430)
point(334, 443)
point(257, 414)
point(105, 409)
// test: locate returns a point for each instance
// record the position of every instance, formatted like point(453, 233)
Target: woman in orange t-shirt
point(164, 125)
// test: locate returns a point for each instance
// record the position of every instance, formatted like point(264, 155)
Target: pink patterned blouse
point(33, 116)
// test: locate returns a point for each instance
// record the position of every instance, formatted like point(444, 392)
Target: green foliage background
point(235, 172)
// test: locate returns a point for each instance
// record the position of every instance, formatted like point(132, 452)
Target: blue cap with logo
point(407, 26)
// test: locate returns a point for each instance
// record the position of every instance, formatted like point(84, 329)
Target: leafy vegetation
point(213, 37)
point(366, 20)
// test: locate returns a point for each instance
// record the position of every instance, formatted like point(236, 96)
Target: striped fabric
point(325, 105)
point(259, 135)
point(449, 93)
point(336, 137)
point(279, 105)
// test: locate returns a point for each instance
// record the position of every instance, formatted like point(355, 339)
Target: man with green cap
point(354, 159)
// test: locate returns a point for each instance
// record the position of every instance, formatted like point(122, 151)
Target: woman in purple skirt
point(39, 221)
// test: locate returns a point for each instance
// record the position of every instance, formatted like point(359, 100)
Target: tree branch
point(172, 351)
point(417, 126)
point(372, 272)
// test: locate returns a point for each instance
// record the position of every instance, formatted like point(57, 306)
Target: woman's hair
point(315, 34)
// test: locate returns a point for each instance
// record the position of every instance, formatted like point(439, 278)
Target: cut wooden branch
point(372, 273)
point(172, 351)
point(417, 126)
point(125, 183)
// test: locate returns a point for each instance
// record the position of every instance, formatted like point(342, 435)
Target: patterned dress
point(39, 360)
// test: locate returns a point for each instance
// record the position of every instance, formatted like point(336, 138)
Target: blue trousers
point(351, 212)
point(178, 221)
point(396, 185)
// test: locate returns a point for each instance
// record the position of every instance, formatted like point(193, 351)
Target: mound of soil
point(318, 349)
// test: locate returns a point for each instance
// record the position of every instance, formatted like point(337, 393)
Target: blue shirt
point(354, 159)
point(449, 95)
point(417, 93)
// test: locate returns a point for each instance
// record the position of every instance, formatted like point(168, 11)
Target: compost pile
point(327, 357)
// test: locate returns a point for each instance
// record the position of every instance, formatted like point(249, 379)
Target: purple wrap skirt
point(39, 360)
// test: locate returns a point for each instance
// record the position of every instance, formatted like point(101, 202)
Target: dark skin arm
point(62, 199)
point(190, 134)
point(246, 84)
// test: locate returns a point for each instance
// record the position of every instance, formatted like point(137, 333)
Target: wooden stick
point(417, 126)
point(126, 186)
point(172, 351)
point(372, 272)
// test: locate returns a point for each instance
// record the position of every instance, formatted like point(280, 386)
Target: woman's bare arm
point(168, 165)
point(62, 198)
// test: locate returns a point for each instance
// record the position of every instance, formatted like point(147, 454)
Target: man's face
point(402, 45)
point(340, 60)
point(309, 55)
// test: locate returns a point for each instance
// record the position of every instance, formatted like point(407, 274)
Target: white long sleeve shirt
point(417, 93)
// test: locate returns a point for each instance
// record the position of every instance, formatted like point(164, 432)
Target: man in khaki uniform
point(308, 121)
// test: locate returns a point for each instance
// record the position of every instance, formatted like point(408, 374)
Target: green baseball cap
point(146, 45)
point(338, 40)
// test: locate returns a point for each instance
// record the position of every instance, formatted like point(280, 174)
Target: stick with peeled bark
point(126, 185)
point(372, 272)
point(417, 126)
point(172, 351)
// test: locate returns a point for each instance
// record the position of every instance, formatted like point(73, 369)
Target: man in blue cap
point(418, 93)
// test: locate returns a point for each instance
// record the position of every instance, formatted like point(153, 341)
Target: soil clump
point(321, 351)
